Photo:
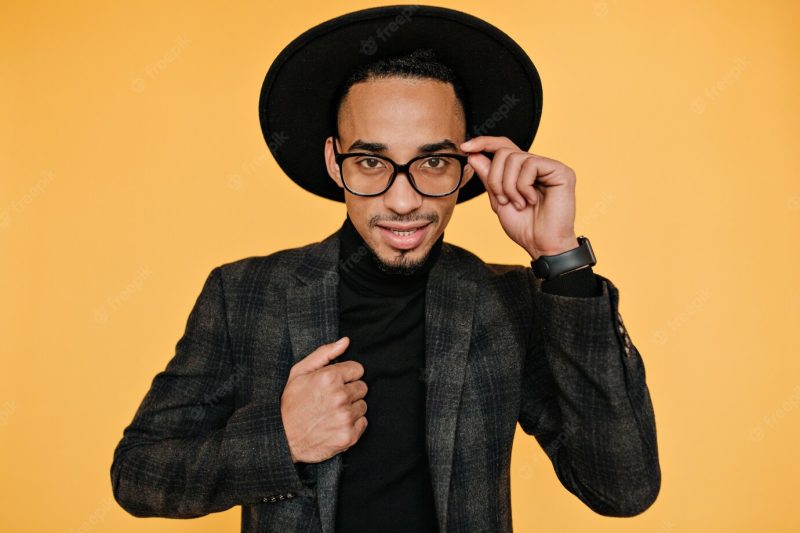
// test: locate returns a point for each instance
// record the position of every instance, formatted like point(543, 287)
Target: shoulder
point(259, 270)
point(481, 271)
point(501, 289)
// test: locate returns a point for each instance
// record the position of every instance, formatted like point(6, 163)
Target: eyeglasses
point(366, 174)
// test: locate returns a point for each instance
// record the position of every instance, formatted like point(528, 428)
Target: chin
point(392, 256)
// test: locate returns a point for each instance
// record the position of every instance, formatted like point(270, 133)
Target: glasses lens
point(436, 174)
point(433, 175)
point(366, 175)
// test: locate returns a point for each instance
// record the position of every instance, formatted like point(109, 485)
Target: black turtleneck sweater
point(385, 484)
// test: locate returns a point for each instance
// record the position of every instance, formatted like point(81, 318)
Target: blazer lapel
point(312, 314)
point(312, 308)
point(449, 305)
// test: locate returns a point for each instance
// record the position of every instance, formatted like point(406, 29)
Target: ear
point(468, 173)
point(330, 163)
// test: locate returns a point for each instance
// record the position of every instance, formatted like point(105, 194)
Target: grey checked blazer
point(208, 435)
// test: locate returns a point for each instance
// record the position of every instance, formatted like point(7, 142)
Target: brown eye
point(435, 163)
point(371, 163)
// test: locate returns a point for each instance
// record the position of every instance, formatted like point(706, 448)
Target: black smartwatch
point(549, 266)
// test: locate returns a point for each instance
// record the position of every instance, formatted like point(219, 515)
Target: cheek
point(445, 210)
point(359, 209)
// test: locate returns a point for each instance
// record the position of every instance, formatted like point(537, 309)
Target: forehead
point(401, 106)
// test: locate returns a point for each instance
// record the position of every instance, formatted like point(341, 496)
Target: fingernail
point(341, 341)
point(502, 199)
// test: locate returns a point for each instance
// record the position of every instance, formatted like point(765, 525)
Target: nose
point(401, 196)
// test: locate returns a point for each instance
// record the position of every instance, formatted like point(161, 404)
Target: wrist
point(547, 266)
point(287, 433)
point(567, 244)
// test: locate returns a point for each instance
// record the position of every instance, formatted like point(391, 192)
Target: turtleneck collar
point(359, 268)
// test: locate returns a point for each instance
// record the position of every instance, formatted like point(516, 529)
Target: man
point(374, 380)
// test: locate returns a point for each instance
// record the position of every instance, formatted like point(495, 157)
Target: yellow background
point(131, 164)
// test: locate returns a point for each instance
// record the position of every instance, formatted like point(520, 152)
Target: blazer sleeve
point(189, 451)
point(586, 401)
point(581, 282)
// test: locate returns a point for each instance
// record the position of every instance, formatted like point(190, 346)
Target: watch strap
point(549, 266)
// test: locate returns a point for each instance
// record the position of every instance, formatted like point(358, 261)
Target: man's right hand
point(322, 405)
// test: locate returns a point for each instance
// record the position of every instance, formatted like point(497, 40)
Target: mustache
point(376, 220)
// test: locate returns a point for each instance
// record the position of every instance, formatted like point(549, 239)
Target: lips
point(407, 227)
point(404, 237)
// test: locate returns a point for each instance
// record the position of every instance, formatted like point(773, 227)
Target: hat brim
point(503, 85)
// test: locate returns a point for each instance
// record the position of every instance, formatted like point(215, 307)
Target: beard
point(402, 267)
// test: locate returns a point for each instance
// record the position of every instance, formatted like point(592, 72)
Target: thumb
point(481, 164)
point(319, 357)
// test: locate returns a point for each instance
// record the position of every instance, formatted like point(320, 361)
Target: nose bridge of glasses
point(404, 168)
point(404, 171)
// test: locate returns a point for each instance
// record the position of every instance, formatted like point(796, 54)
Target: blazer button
point(289, 495)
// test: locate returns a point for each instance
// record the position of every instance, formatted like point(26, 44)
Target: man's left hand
point(533, 196)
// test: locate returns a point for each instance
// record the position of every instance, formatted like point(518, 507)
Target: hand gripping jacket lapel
point(313, 320)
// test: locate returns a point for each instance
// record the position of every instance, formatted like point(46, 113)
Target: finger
point(511, 178)
point(361, 426)
point(320, 357)
point(356, 390)
point(349, 370)
point(527, 181)
point(492, 200)
point(495, 178)
point(487, 143)
point(358, 409)
point(481, 164)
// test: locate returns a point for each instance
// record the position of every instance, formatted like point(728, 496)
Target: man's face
point(399, 116)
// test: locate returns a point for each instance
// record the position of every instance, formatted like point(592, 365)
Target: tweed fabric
point(208, 434)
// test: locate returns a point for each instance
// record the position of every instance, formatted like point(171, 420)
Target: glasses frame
point(397, 168)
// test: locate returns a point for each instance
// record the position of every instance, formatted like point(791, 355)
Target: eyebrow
point(380, 148)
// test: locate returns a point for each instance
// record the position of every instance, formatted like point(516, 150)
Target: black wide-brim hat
point(502, 84)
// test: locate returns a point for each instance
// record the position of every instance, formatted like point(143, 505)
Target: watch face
point(588, 246)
